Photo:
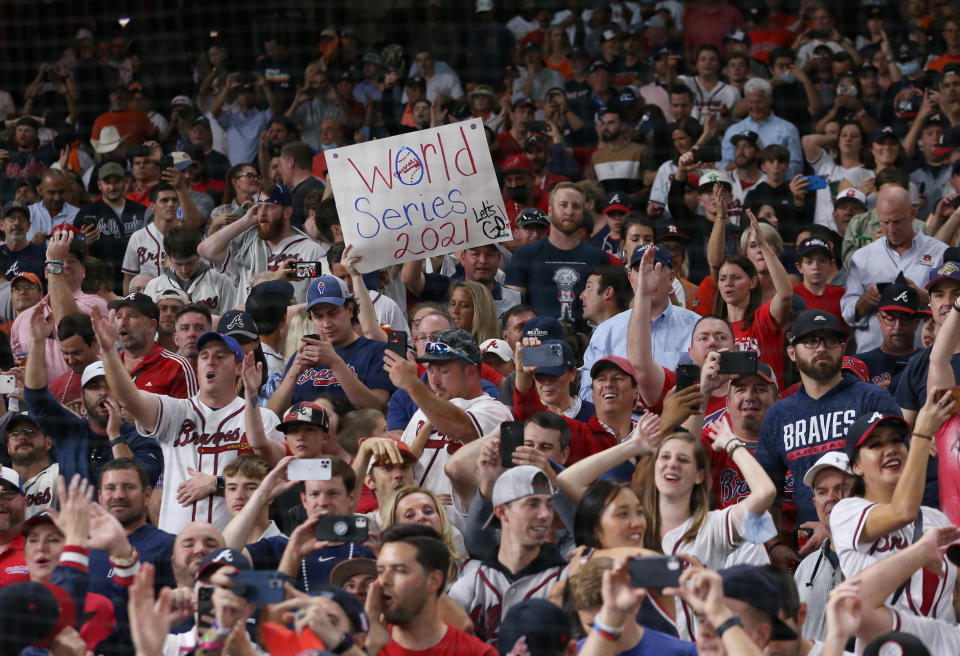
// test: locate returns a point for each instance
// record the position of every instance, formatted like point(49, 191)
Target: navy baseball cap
point(139, 303)
point(267, 304)
point(814, 321)
point(327, 289)
point(280, 195)
point(569, 362)
point(865, 424)
point(543, 328)
point(351, 606)
point(896, 643)
point(884, 132)
point(616, 202)
point(535, 627)
point(16, 206)
point(237, 322)
point(220, 557)
point(668, 230)
point(756, 588)
point(532, 217)
point(812, 245)
point(230, 342)
point(661, 255)
point(900, 297)
point(948, 271)
point(305, 412)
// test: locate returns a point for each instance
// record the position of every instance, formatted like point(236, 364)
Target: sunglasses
point(439, 348)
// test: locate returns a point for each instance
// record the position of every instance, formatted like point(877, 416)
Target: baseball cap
point(764, 371)
point(345, 569)
point(138, 303)
point(91, 371)
point(11, 419)
point(530, 46)
point(237, 322)
point(896, 643)
point(16, 206)
point(168, 294)
point(534, 627)
point(668, 230)
point(267, 304)
point(884, 132)
point(711, 178)
point(280, 195)
point(569, 362)
point(305, 412)
point(616, 202)
point(812, 245)
point(857, 367)
point(948, 270)
point(40, 611)
point(111, 169)
point(748, 135)
point(416, 81)
point(599, 65)
point(532, 216)
point(829, 460)
point(925, 311)
point(537, 140)
point(455, 344)
point(516, 483)
point(865, 424)
point(543, 328)
point(851, 194)
point(220, 557)
point(327, 289)
point(906, 52)
point(737, 36)
point(370, 58)
point(351, 606)
point(754, 587)
point(181, 101)
point(899, 297)
point(610, 32)
point(523, 101)
point(498, 347)
point(230, 343)
point(815, 321)
point(661, 255)
point(42, 517)
point(483, 90)
point(616, 362)
point(181, 160)
point(405, 453)
point(11, 478)
point(516, 163)
point(28, 276)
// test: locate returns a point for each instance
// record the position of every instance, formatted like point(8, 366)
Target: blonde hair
point(769, 233)
point(485, 325)
point(447, 533)
point(301, 324)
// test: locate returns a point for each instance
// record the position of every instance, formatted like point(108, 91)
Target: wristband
point(922, 435)
point(606, 631)
point(730, 623)
point(733, 445)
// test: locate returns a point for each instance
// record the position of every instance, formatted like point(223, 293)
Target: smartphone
point(816, 182)
point(898, 367)
point(307, 269)
point(655, 571)
point(545, 355)
point(738, 362)
point(313, 336)
point(342, 528)
point(397, 342)
point(310, 469)
point(883, 285)
point(259, 587)
point(818, 34)
point(536, 126)
point(707, 154)
point(687, 375)
point(956, 202)
point(511, 436)
point(205, 611)
point(8, 384)
point(89, 220)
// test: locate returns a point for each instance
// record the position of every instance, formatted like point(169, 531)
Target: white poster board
point(418, 194)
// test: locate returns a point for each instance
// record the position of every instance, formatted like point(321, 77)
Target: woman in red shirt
point(756, 326)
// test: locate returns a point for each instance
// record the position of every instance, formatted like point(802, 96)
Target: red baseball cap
point(519, 163)
point(620, 363)
point(29, 276)
point(857, 367)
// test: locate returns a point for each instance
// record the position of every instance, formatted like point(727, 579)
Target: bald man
point(193, 542)
point(52, 209)
point(900, 249)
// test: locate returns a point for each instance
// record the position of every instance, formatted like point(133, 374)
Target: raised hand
point(105, 327)
point(645, 435)
point(252, 374)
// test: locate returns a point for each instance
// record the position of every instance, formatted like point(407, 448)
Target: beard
point(25, 458)
point(404, 613)
point(95, 415)
point(271, 232)
point(819, 368)
point(128, 515)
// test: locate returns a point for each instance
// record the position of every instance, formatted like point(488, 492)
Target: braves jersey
point(926, 594)
point(41, 490)
point(164, 372)
point(719, 101)
point(487, 590)
point(484, 411)
point(364, 357)
point(206, 439)
point(208, 287)
point(249, 255)
point(69, 392)
point(145, 252)
point(938, 637)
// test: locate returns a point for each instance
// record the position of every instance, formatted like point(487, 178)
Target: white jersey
point(718, 101)
point(937, 636)
point(248, 255)
point(211, 289)
point(926, 594)
point(145, 252)
point(197, 436)
point(484, 411)
point(276, 363)
point(824, 164)
point(41, 491)
point(388, 312)
point(739, 194)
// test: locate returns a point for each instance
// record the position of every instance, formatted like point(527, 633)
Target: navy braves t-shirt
point(554, 278)
point(883, 367)
point(364, 356)
point(266, 554)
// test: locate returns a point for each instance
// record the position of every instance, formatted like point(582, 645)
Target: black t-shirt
point(114, 232)
point(884, 368)
point(299, 195)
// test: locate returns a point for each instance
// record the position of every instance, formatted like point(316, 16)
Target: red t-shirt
point(829, 301)
point(727, 486)
point(706, 296)
point(13, 566)
point(132, 123)
point(669, 382)
point(765, 337)
point(762, 42)
point(165, 372)
point(454, 643)
point(69, 392)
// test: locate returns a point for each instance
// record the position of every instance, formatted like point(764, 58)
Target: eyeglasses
point(439, 348)
point(23, 432)
point(428, 338)
point(890, 318)
point(9, 495)
point(26, 287)
point(813, 341)
point(250, 174)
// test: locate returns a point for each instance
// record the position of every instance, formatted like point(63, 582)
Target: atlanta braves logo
point(188, 436)
point(236, 322)
point(876, 416)
point(902, 296)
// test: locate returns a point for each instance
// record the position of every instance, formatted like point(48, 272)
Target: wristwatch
point(221, 487)
point(55, 267)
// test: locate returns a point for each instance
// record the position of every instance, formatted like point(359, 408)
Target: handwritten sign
point(418, 194)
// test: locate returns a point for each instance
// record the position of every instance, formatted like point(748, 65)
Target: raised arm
point(413, 277)
point(639, 337)
point(814, 144)
point(762, 490)
point(214, 246)
point(41, 327)
point(782, 299)
point(718, 234)
point(273, 485)
point(144, 407)
point(941, 374)
point(367, 315)
point(62, 302)
point(270, 450)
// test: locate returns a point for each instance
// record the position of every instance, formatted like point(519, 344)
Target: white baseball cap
point(170, 294)
point(830, 459)
point(714, 176)
point(519, 482)
point(498, 347)
point(850, 193)
point(92, 371)
point(11, 477)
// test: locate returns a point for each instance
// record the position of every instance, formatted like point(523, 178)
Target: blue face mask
point(328, 146)
point(909, 68)
point(787, 77)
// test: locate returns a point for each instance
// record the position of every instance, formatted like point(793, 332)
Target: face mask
point(518, 193)
point(909, 68)
point(787, 77)
point(847, 90)
point(328, 146)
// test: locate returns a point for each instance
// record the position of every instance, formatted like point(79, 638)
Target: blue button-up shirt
point(670, 338)
point(774, 130)
point(243, 134)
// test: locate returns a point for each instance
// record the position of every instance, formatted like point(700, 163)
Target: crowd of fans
point(704, 400)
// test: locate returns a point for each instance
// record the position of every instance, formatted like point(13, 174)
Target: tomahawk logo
point(902, 296)
point(320, 286)
point(236, 322)
point(223, 557)
point(876, 416)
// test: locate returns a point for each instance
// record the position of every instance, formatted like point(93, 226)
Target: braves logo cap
point(237, 322)
point(137, 302)
point(815, 321)
point(280, 195)
point(900, 297)
point(896, 643)
point(305, 412)
point(230, 343)
point(220, 557)
point(864, 426)
point(327, 289)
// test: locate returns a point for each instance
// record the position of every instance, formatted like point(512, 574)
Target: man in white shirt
point(51, 210)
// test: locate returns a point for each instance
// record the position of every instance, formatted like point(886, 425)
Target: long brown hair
point(699, 496)
point(756, 294)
